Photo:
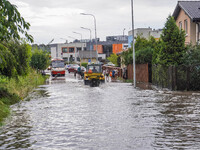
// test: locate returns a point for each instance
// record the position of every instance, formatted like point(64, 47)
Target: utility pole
point(134, 71)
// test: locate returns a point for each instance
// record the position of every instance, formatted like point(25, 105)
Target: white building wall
point(56, 51)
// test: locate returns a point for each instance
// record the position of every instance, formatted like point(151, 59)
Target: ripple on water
point(69, 115)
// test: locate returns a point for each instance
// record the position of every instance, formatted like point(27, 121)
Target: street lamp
point(95, 28)
point(90, 39)
point(75, 49)
point(123, 33)
point(134, 75)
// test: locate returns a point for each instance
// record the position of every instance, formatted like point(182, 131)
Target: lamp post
point(123, 34)
point(75, 49)
point(95, 28)
point(90, 39)
point(134, 75)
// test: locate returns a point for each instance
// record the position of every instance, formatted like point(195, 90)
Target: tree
point(7, 62)
point(113, 58)
point(12, 24)
point(39, 59)
point(172, 44)
point(144, 49)
point(144, 55)
point(22, 54)
point(192, 56)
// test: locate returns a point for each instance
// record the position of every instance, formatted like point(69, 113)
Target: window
point(64, 50)
point(78, 49)
point(180, 25)
point(71, 49)
point(186, 26)
point(65, 58)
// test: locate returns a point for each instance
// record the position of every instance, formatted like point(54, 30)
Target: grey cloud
point(112, 16)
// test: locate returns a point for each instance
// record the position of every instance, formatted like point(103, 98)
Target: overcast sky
point(59, 18)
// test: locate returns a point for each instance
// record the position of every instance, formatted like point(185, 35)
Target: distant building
point(70, 51)
point(144, 32)
point(67, 51)
point(117, 38)
point(187, 16)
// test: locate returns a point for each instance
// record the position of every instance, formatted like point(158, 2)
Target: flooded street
point(67, 115)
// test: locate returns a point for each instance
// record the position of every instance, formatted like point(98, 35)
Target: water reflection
point(178, 122)
point(17, 133)
point(115, 116)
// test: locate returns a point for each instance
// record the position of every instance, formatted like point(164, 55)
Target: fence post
point(175, 78)
point(188, 78)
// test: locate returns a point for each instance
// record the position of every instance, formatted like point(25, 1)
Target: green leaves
point(14, 58)
point(113, 58)
point(144, 49)
point(172, 45)
point(11, 23)
point(39, 60)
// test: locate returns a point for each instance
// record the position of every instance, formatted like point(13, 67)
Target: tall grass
point(22, 85)
point(12, 90)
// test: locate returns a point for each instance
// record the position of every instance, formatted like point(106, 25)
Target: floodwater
point(65, 114)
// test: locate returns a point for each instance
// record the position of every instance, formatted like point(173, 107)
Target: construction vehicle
point(93, 75)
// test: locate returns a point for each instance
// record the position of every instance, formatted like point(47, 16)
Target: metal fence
point(177, 77)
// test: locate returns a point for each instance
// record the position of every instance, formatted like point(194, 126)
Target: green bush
point(192, 55)
point(40, 59)
point(4, 112)
point(144, 56)
point(84, 64)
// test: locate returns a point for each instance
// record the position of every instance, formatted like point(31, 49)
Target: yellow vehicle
point(93, 75)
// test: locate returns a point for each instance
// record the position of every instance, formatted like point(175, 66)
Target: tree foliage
point(114, 59)
point(14, 58)
point(172, 44)
point(7, 62)
point(22, 54)
point(39, 59)
point(143, 51)
point(12, 24)
point(192, 55)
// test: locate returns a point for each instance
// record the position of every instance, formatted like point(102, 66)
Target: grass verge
point(15, 89)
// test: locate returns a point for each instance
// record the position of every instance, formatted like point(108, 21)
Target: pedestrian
point(116, 74)
point(113, 75)
point(75, 74)
point(79, 71)
point(107, 75)
point(125, 73)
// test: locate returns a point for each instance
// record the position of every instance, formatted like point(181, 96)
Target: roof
point(191, 8)
point(87, 54)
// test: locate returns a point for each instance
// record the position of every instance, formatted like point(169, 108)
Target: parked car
point(73, 68)
point(67, 66)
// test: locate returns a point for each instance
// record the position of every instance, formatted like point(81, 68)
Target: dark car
point(72, 68)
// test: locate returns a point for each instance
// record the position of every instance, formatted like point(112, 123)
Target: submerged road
point(65, 114)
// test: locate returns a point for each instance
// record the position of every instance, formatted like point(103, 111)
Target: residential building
point(70, 51)
point(67, 51)
point(187, 16)
point(144, 32)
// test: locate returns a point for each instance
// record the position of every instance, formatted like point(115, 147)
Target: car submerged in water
point(93, 75)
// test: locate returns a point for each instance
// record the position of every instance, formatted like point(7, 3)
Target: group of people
point(113, 74)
